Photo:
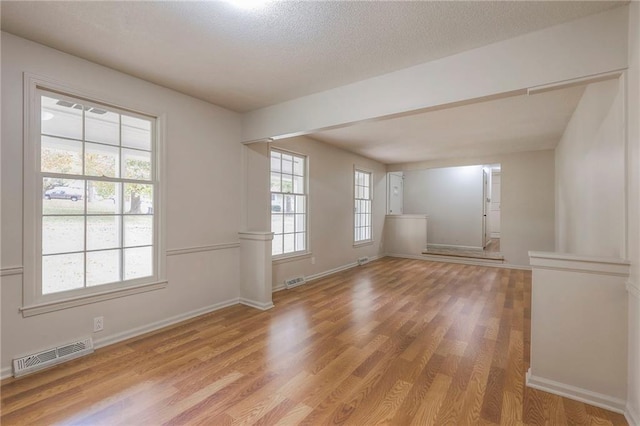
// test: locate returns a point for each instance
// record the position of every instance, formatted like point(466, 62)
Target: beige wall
point(590, 175)
point(527, 203)
point(633, 181)
point(331, 209)
point(203, 198)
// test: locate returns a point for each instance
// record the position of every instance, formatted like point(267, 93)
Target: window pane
point(275, 161)
point(275, 182)
point(61, 118)
point(103, 232)
point(277, 223)
point(138, 262)
point(103, 267)
point(137, 164)
point(365, 193)
point(101, 160)
point(287, 164)
point(62, 234)
point(367, 179)
point(300, 204)
point(276, 203)
point(288, 223)
point(298, 184)
point(300, 222)
point(102, 126)
point(136, 133)
point(138, 198)
point(287, 183)
point(60, 156)
point(289, 243)
point(103, 198)
point(62, 196)
point(138, 230)
point(289, 206)
point(300, 241)
point(62, 272)
point(298, 166)
point(276, 245)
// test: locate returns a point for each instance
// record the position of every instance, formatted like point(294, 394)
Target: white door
point(485, 208)
point(495, 205)
point(395, 190)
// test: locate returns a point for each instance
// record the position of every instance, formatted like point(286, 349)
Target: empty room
point(320, 212)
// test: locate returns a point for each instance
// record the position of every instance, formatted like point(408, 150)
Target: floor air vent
point(363, 260)
point(47, 358)
point(294, 282)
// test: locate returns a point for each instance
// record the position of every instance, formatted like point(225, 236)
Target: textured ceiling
point(514, 124)
point(247, 59)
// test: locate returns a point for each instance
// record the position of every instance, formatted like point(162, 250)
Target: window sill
point(363, 243)
point(58, 305)
point(292, 257)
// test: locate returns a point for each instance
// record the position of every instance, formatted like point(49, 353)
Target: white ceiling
point(246, 59)
point(513, 124)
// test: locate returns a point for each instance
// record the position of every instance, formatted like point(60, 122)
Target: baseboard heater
point(53, 356)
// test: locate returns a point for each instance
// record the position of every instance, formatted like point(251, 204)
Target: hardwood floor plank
point(395, 341)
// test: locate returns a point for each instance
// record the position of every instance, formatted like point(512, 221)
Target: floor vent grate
point(363, 260)
point(47, 358)
point(294, 282)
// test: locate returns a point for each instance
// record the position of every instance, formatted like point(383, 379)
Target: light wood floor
point(395, 341)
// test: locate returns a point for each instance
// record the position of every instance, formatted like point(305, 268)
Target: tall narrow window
point(96, 189)
point(288, 203)
point(362, 206)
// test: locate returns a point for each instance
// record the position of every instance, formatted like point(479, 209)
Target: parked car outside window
point(63, 193)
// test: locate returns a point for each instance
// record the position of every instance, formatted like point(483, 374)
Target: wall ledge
point(578, 394)
point(578, 263)
point(257, 236)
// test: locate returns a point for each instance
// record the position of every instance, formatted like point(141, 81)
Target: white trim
point(11, 270)
point(578, 394)
point(200, 249)
point(407, 216)
point(363, 243)
point(495, 234)
point(33, 300)
point(338, 269)
point(138, 331)
point(578, 263)
point(633, 289)
point(257, 236)
point(326, 273)
point(57, 305)
point(476, 262)
point(276, 260)
point(631, 416)
point(257, 305)
point(478, 248)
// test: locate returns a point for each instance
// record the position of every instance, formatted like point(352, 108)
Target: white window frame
point(356, 201)
point(34, 302)
point(299, 253)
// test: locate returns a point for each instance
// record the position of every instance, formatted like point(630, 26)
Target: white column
point(255, 269)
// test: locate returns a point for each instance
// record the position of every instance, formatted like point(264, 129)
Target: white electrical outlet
point(98, 324)
point(313, 260)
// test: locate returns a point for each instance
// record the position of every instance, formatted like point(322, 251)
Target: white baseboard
point(323, 274)
point(455, 246)
point(572, 392)
point(631, 416)
point(257, 305)
point(119, 337)
point(6, 372)
point(137, 331)
point(474, 262)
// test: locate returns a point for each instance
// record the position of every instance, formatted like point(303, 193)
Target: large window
point(96, 192)
point(288, 203)
point(362, 206)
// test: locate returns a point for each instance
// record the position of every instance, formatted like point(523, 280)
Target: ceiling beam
point(585, 47)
